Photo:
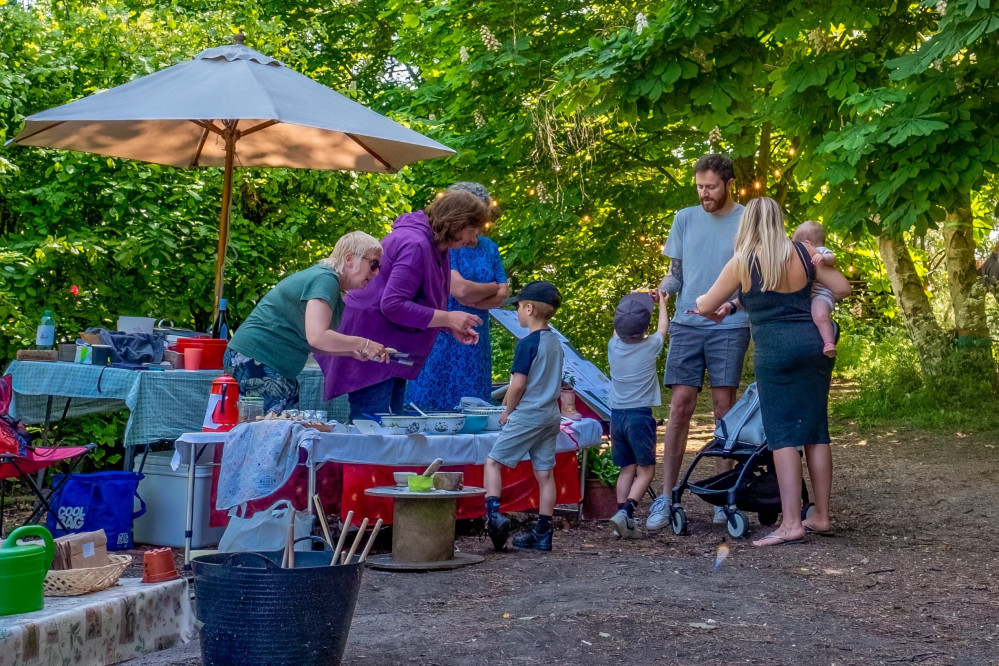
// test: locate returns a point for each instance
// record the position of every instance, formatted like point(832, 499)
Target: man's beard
point(712, 205)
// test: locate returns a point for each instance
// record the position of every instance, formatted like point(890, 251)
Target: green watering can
point(23, 569)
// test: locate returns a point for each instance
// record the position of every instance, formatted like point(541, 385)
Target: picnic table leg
point(312, 485)
point(582, 486)
point(40, 475)
point(189, 529)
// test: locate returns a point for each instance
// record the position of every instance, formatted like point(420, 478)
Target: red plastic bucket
point(212, 350)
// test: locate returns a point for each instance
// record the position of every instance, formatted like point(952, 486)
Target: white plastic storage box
point(164, 492)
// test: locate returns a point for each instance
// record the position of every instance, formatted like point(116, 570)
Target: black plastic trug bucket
point(255, 612)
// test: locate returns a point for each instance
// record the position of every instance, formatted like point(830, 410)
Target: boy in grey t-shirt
point(531, 420)
point(632, 355)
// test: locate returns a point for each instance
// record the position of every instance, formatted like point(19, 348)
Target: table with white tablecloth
point(392, 451)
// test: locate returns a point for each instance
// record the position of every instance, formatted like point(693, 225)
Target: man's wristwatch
point(733, 307)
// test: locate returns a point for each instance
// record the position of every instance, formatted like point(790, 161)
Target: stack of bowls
point(492, 413)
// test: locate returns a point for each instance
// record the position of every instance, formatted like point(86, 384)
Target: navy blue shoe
point(531, 540)
point(498, 528)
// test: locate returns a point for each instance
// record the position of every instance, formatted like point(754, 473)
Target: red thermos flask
point(222, 414)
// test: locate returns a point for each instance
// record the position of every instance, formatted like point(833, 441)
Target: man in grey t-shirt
point(699, 244)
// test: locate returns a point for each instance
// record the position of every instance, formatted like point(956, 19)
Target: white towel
point(258, 458)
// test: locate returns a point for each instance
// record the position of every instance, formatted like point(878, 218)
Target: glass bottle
point(220, 329)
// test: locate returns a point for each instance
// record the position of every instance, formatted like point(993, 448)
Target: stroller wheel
point(768, 517)
point(806, 511)
point(738, 524)
point(678, 520)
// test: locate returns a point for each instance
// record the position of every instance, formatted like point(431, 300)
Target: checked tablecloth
point(162, 404)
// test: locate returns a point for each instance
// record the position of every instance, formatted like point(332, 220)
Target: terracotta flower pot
point(600, 501)
point(158, 565)
point(568, 405)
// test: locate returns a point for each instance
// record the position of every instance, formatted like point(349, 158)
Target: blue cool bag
point(99, 501)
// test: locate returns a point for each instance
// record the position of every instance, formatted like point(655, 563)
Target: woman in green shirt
point(300, 314)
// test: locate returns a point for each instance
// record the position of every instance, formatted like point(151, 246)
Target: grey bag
point(743, 424)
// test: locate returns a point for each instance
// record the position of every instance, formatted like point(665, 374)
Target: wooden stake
point(357, 540)
point(371, 541)
point(342, 539)
point(290, 546)
point(322, 518)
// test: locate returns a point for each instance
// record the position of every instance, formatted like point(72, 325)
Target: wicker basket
point(74, 582)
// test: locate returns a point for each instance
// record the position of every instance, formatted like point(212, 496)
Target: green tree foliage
point(583, 119)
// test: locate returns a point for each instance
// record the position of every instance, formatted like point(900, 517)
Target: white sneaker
point(659, 513)
point(720, 517)
point(624, 526)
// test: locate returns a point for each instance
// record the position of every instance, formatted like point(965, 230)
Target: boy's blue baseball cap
point(540, 291)
point(633, 314)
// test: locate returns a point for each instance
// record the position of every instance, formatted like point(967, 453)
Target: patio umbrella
point(230, 105)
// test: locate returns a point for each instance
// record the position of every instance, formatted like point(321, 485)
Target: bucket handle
point(326, 544)
point(235, 559)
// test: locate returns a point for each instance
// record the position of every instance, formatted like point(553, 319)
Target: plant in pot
point(568, 398)
point(600, 498)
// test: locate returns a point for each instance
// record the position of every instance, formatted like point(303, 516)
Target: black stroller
point(751, 485)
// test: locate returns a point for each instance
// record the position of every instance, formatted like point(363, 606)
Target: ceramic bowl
point(444, 424)
point(492, 414)
point(402, 478)
point(411, 424)
point(474, 423)
point(420, 484)
point(448, 480)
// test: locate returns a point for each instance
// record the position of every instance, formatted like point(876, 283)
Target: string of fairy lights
point(644, 237)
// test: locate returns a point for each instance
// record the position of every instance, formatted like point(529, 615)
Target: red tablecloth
point(341, 488)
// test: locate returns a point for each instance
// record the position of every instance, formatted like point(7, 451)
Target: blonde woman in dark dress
point(773, 278)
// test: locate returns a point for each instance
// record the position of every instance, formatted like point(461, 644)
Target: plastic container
point(143, 325)
point(250, 409)
point(254, 612)
point(165, 491)
point(214, 350)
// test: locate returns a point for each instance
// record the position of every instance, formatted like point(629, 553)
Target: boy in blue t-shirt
point(532, 419)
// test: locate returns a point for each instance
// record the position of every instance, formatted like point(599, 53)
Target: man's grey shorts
point(518, 439)
point(692, 350)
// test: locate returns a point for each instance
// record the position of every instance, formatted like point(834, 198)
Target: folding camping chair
point(39, 458)
point(28, 460)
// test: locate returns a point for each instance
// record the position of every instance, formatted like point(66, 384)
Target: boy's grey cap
point(540, 291)
point(633, 314)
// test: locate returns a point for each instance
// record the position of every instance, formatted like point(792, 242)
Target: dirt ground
point(910, 577)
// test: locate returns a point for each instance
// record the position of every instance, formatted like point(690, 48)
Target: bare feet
point(779, 538)
point(813, 526)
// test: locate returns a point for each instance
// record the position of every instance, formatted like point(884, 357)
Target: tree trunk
point(930, 341)
point(973, 347)
point(966, 292)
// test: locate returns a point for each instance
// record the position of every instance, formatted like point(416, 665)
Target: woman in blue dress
point(478, 284)
point(773, 277)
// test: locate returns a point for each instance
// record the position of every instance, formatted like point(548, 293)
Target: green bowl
point(421, 484)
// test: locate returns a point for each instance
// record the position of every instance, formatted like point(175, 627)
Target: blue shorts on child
point(633, 437)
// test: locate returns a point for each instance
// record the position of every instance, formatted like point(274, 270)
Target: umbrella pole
point(230, 135)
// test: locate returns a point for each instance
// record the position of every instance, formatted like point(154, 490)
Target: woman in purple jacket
point(405, 305)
